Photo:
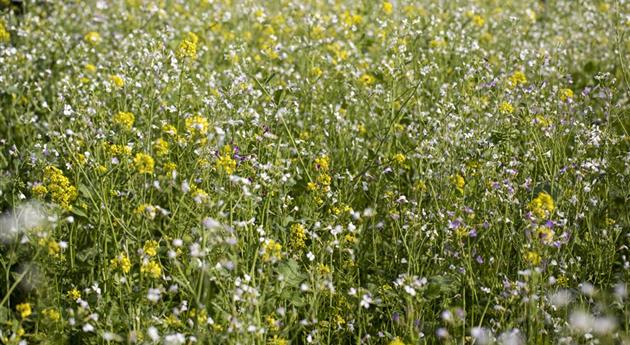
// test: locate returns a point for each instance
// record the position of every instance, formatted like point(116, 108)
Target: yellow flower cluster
point(146, 210)
point(152, 268)
point(53, 247)
point(518, 78)
point(160, 146)
point(74, 294)
point(272, 251)
point(144, 163)
point(542, 206)
point(351, 19)
point(459, 182)
point(388, 7)
point(298, 237)
point(565, 94)
point(506, 108)
point(117, 80)
point(59, 187)
point(323, 179)
point(39, 190)
point(188, 47)
point(545, 234)
point(150, 247)
point(92, 37)
point(52, 314)
point(24, 309)
point(396, 341)
point(124, 119)
point(199, 195)
point(197, 125)
point(5, 36)
point(118, 150)
point(366, 79)
point(122, 262)
point(226, 162)
point(399, 158)
point(532, 258)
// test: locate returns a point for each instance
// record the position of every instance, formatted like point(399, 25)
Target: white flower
point(366, 300)
point(153, 333)
point(481, 335)
point(174, 339)
point(153, 295)
point(211, 223)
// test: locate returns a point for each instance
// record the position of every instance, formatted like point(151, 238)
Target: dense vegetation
point(314, 171)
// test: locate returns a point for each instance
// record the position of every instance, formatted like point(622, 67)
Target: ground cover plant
point(314, 171)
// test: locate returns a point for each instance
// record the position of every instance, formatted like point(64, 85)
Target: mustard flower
point(24, 309)
point(124, 119)
point(144, 163)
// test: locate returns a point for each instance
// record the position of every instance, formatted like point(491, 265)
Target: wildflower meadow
point(285, 172)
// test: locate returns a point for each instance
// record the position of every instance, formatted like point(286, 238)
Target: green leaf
point(85, 192)
point(78, 212)
point(291, 271)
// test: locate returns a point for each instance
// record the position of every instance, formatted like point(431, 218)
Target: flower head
point(144, 163)
point(24, 309)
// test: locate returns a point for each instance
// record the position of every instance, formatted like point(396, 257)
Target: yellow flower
point(59, 187)
point(188, 47)
point(124, 119)
point(542, 206)
point(399, 158)
point(39, 190)
point(366, 79)
point(169, 167)
point(316, 72)
point(311, 186)
point(152, 268)
point(117, 80)
point(518, 78)
point(144, 163)
point(5, 36)
point(92, 37)
point(199, 195)
point(121, 261)
point(298, 236)
point(197, 125)
point(52, 314)
point(506, 108)
point(74, 294)
point(324, 179)
point(437, 43)
point(565, 94)
point(459, 182)
point(90, 68)
point(225, 162)
point(478, 20)
point(150, 247)
point(53, 248)
point(169, 130)
point(24, 309)
point(396, 341)
point(160, 147)
point(388, 8)
point(271, 251)
point(532, 258)
point(322, 163)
